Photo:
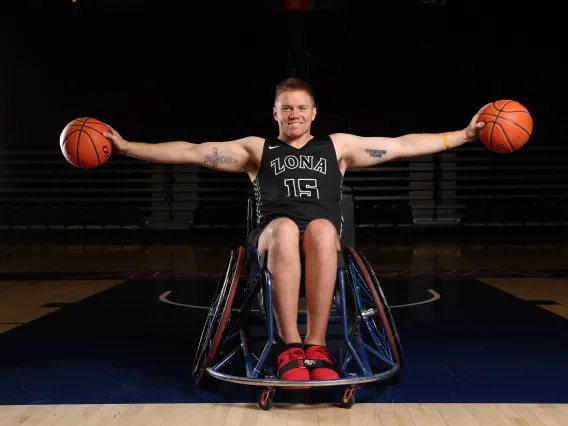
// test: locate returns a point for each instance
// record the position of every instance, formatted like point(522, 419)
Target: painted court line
point(164, 298)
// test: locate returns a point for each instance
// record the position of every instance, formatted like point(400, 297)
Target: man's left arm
point(361, 151)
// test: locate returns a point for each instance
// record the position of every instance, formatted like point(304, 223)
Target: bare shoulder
point(343, 138)
point(342, 142)
point(364, 151)
point(252, 142)
point(253, 145)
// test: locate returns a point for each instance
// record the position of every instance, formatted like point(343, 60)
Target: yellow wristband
point(445, 140)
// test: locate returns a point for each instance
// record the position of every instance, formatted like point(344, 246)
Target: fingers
point(111, 134)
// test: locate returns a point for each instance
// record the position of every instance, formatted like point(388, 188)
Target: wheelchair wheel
point(219, 313)
point(371, 299)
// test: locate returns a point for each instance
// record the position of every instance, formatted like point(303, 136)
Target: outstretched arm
point(230, 156)
point(361, 151)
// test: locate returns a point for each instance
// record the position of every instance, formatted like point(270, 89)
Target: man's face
point(294, 112)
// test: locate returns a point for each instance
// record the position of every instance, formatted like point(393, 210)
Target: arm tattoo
point(215, 159)
point(378, 153)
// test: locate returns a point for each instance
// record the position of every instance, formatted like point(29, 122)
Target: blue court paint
point(123, 345)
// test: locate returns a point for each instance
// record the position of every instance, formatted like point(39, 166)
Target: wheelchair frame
point(224, 327)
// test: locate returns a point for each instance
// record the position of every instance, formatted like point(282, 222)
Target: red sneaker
point(321, 363)
point(291, 365)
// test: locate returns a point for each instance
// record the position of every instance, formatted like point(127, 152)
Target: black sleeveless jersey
point(300, 184)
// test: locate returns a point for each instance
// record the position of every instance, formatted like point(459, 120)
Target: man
point(297, 180)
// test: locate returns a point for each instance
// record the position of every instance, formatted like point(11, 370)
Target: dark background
point(197, 71)
point(203, 71)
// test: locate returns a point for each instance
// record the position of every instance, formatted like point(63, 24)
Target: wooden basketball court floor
point(102, 331)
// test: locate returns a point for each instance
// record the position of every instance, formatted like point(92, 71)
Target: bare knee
point(282, 235)
point(321, 235)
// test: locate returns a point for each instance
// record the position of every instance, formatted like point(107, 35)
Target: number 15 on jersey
point(302, 187)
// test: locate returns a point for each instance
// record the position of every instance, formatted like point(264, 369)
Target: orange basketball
point(83, 144)
point(508, 126)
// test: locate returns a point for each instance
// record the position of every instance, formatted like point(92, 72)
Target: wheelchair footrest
point(274, 382)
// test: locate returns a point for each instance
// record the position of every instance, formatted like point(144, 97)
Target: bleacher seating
point(468, 186)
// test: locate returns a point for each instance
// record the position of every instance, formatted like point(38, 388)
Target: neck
point(295, 141)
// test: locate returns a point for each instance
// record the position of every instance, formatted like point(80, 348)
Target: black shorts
point(254, 235)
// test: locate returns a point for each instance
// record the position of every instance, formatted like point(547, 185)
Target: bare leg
point(281, 239)
point(320, 246)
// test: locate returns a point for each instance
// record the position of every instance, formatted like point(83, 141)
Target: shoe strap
point(309, 364)
point(312, 364)
point(291, 365)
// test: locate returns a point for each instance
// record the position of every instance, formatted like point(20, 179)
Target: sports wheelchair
point(369, 350)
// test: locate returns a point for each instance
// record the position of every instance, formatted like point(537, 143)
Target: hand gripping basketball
point(475, 126)
point(83, 143)
point(508, 126)
point(118, 143)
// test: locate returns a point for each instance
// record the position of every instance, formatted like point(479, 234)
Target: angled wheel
point(219, 313)
point(386, 309)
point(373, 308)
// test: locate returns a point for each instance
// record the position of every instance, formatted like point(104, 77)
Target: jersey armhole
point(330, 141)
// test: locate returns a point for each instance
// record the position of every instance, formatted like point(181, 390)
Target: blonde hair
point(293, 85)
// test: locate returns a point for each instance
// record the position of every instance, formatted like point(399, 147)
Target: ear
point(314, 113)
point(275, 113)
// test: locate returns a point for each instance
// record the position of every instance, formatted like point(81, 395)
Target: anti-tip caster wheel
point(266, 399)
point(348, 399)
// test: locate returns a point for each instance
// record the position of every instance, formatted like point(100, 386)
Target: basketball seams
point(513, 110)
point(491, 135)
point(487, 129)
point(508, 120)
point(88, 127)
point(95, 149)
point(85, 125)
point(503, 107)
point(496, 117)
point(78, 143)
point(514, 126)
point(506, 135)
point(65, 140)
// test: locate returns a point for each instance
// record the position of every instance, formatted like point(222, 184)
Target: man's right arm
point(231, 156)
